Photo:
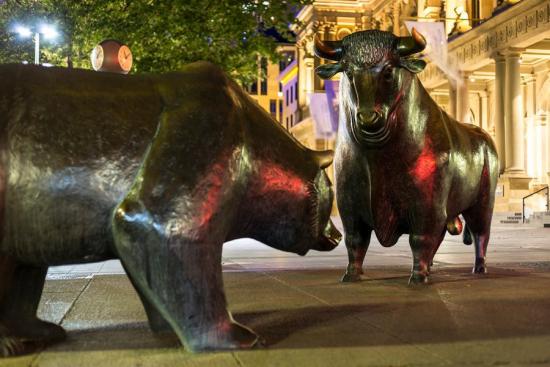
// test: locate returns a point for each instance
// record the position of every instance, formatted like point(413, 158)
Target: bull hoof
point(418, 278)
point(237, 337)
point(480, 267)
point(351, 277)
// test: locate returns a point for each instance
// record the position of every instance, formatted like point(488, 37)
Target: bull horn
point(323, 157)
point(331, 50)
point(412, 44)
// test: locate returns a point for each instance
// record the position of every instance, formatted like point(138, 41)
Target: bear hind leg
point(21, 331)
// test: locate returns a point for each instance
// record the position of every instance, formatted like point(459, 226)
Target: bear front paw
point(230, 335)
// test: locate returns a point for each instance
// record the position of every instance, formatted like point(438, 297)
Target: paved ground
point(308, 318)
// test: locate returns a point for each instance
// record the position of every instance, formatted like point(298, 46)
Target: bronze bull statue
point(402, 165)
point(158, 171)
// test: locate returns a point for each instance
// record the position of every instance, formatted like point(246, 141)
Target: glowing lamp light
point(23, 31)
point(48, 31)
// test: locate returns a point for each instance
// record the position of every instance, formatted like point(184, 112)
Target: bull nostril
point(368, 118)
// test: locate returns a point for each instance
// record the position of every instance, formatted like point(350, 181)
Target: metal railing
point(532, 194)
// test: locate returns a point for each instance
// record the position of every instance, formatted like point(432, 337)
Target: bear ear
point(327, 71)
point(413, 65)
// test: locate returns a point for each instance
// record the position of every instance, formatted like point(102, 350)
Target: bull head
point(376, 68)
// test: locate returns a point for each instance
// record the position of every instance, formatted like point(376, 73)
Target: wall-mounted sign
point(112, 56)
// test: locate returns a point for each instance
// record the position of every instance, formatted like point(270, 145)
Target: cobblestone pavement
point(308, 318)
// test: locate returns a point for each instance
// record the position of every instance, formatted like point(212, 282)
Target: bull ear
point(413, 65)
point(327, 71)
point(323, 157)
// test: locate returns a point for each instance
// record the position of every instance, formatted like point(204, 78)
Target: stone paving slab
point(309, 318)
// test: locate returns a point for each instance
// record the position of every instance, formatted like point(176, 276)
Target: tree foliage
point(163, 35)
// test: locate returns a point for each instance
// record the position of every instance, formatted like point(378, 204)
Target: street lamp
point(47, 30)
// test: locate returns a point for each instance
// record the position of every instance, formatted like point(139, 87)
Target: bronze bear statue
point(158, 171)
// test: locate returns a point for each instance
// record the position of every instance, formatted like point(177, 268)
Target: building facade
point(267, 90)
point(502, 54)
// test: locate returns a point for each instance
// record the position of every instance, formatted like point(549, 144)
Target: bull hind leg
point(479, 228)
point(438, 243)
point(468, 237)
point(21, 331)
point(454, 227)
point(478, 217)
point(481, 240)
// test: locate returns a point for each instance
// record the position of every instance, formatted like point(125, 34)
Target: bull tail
point(468, 237)
point(454, 226)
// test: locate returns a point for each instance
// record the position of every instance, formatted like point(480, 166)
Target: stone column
point(332, 29)
point(396, 15)
point(538, 152)
point(309, 76)
point(484, 118)
point(514, 130)
point(301, 55)
point(462, 98)
point(547, 149)
point(500, 75)
point(542, 149)
point(368, 20)
point(530, 97)
point(452, 98)
point(306, 66)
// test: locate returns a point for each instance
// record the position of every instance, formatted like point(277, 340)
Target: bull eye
point(387, 73)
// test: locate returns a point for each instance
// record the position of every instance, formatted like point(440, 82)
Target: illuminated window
point(263, 84)
point(286, 99)
point(273, 107)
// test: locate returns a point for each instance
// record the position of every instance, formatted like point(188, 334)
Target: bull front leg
point(423, 249)
point(357, 245)
point(180, 275)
